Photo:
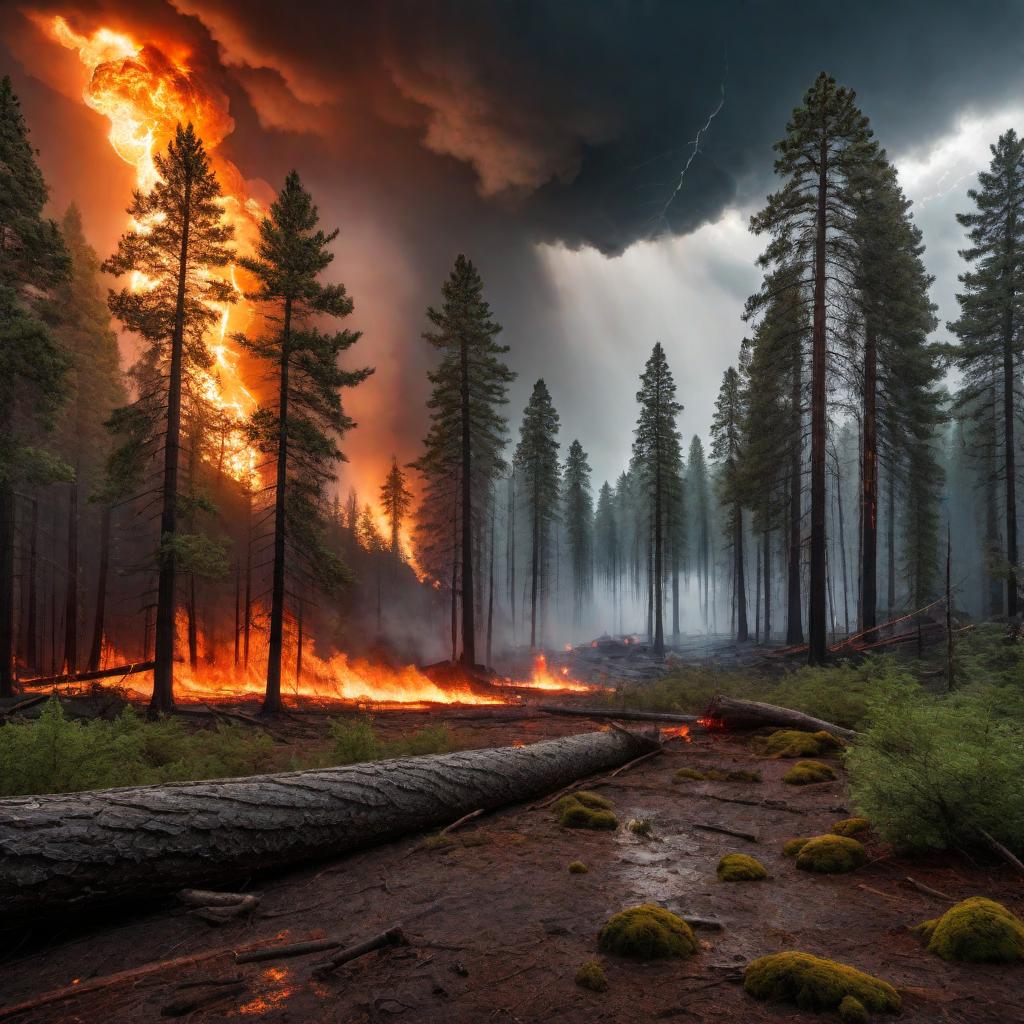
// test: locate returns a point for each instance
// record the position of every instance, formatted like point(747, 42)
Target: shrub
point(356, 742)
point(976, 930)
point(831, 855)
point(792, 847)
point(806, 773)
point(738, 867)
point(795, 743)
point(590, 975)
point(577, 867)
point(852, 1011)
point(930, 773)
point(586, 810)
point(641, 827)
point(813, 983)
point(850, 827)
point(647, 932)
point(742, 775)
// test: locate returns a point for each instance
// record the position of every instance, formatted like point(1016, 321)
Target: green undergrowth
point(806, 773)
point(794, 743)
point(583, 809)
point(739, 867)
point(57, 754)
point(830, 855)
point(716, 775)
point(590, 975)
point(647, 932)
point(976, 930)
point(813, 983)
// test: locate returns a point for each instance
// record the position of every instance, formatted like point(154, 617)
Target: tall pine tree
point(579, 526)
point(396, 500)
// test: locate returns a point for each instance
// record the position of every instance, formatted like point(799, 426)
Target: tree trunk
point(6, 589)
point(272, 698)
point(77, 851)
point(99, 624)
point(247, 606)
point(468, 595)
point(732, 713)
point(490, 583)
point(71, 592)
point(742, 632)
point(794, 610)
point(31, 616)
point(1009, 457)
point(163, 674)
point(869, 495)
point(890, 528)
point(817, 625)
point(534, 566)
point(767, 586)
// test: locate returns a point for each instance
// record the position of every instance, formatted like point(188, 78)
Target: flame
point(673, 732)
point(542, 679)
point(145, 92)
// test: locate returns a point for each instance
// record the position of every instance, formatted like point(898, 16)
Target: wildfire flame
point(543, 679)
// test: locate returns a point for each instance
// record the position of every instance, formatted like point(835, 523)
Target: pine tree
point(180, 236)
point(396, 499)
point(727, 449)
point(991, 324)
point(607, 555)
point(536, 462)
point(466, 438)
point(95, 388)
point(579, 523)
point(33, 259)
point(827, 147)
point(302, 432)
point(657, 457)
point(698, 511)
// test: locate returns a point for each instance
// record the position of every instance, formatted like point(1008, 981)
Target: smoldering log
point(84, 677)
point(733, 713)
point(73, 852)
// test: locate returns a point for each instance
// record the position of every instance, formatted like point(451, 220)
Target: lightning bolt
point(662, 217)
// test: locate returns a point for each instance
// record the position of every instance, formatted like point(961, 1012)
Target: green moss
point(806, 773)
point(577, 867)
point(852, 1011)
point(586, 810)
point(742, 775)
point(715, 775)
point(813, 983)
point(850, 827)
point(738, 867)
point(647, 932)
point(590, 975)
point(641, 827)
point(976, 930)
point(688, 775)
point(794, 743)
point(792, 847)
point(831, 855)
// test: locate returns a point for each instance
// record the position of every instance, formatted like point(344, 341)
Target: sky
point(552, 142)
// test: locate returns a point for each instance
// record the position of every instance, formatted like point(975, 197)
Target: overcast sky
point(546, 140)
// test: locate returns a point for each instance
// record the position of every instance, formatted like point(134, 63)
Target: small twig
point(884, 895)
point(928, 890)
point(392, 937)
point(461, 821)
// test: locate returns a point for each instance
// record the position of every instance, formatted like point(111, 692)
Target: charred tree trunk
point(6, 589)
point(890, 528)
point(794, 611)
point(73, 852)
point(1009, 453)
point(468, 595)
point(742, 632)
point(767, 586)
point(869, 495)
point(71, 595)
point(731, 713)
point(32, 609)
point(490, 585)
point(99, 623)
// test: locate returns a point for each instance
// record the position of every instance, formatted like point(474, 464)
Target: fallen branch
point(748, 836)
point(21, 705)
point(462, 821)
point(84, 677)
point(733, 713)
point(207, 898)
point(771, 805)
point(928, 890)
point(183, 1007)
point(1002, 852)
point(619, 714)
point(392, 937)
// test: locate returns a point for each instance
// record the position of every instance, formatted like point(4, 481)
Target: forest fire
point(542, 678)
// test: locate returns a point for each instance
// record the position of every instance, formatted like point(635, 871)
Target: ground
point(514, 925)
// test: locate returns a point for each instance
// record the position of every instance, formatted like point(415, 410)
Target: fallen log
point(392, 937)
point(67, 853)
point(618, 714)
point(733, 713)
point(84, 677)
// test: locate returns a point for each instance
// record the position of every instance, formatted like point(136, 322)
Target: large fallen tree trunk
point(733, 713)
point(618, 714)
point(67, 853)
point(84, 677)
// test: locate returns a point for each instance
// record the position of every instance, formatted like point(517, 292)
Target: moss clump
point(738, 867)
point(742, 775)
point(641, 827)
point(813, 983)
point(586, 810)
point(688, 775)
point(792, 847)
point(850, 827)
point(831, 855)
point(577, 867)
point(794, 743)
point(715, 775)
point(978, 931)
point(852, 1011)
point(590, 975)
point(806, 773)
point(647, 932)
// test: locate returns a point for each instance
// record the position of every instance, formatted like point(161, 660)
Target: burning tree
point(397, 501)
point(301, 433)
point(32, 365)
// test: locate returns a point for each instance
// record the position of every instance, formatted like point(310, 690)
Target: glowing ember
point(674, 732)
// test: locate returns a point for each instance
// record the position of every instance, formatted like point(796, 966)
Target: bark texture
point(74, 852)
point(751, 714)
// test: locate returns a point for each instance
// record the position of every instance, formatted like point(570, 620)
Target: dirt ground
point(513, 925)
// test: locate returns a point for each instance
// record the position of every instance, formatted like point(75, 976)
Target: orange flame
point(542, 679)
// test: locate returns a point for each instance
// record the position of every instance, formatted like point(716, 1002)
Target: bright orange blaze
point(676, 732)
point(542, 679)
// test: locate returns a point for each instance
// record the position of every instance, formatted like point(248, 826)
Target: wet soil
point(513, 925)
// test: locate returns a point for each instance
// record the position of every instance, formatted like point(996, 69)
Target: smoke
point(425, 130)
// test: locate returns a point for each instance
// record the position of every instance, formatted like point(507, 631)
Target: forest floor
point(513, 925)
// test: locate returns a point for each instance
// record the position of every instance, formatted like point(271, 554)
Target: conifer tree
point(990, 328)
point(727, 450)
point(698, 511)
point(536, 462)
point(606, 543)
point(33, 259)
point(301, 433)
point(579, 524)
point(396, 499)
point(463, 448)
point(657, 458)
point(827, 147)
point(179, 237)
